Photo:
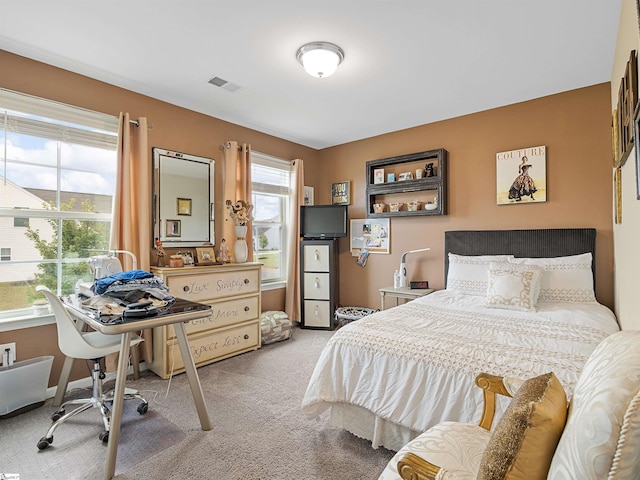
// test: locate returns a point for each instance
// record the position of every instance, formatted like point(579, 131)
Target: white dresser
point(233, 291)
point(319, 277)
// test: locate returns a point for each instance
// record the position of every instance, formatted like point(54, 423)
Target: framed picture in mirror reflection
point(184, 206)
point(173, 228)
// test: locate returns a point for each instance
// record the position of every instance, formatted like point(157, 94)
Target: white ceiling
point(407, 63)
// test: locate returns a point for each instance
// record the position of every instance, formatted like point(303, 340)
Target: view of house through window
point(270, 199)
point(57, 181)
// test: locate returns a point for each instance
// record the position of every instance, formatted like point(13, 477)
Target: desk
point(177, 314)
point(403, 292)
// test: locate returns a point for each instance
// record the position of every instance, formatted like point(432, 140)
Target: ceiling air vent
point(222, 83)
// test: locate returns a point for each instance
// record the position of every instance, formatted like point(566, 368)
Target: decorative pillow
point(564, 279)
point(513, 287)
point(468, 274)
point(524, 440)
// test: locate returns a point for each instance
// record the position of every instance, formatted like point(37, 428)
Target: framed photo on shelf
point(184, 206)
point(205, 256)
point(378, 175)
point(173, 228)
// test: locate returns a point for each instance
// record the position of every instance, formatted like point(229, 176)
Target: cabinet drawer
point(208, 346)
point(210, 286)
point(317, 285)
point(223, 314)
point(316, 258)
point(317, 314)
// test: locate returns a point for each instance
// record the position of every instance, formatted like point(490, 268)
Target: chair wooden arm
point(490, 385)
point(413, 467)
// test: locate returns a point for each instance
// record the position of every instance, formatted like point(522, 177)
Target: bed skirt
point(364, 424)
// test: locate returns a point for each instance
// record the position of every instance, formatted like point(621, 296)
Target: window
point(58, 168)
point(270, 199)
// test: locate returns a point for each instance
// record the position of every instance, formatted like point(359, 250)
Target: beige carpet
point(259, 431)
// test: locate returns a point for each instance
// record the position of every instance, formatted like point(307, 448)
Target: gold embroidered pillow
point(524, 440)
point(513, 287)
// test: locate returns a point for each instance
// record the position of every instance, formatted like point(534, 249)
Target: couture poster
point(521, 176)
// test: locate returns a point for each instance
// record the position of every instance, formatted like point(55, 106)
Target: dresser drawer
point(210, 286)
point(317, 313)
point(206, 347)
point(317, 285)
point(223, 313)
point(316, 258)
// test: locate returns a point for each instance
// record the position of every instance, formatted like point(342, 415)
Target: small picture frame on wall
point(636, 137)
point(308, 195)
point(173, 228)
point(341, 193)
point(184, 206)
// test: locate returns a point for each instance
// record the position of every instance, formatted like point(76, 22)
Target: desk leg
point(381, 300)
point(116, 412)
point(192, 376)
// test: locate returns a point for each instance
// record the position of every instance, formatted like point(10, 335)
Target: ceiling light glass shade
point(320, 59)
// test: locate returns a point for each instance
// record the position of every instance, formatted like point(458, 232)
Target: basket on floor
point(346, 315)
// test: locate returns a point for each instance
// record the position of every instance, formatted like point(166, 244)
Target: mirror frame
point(158, 155)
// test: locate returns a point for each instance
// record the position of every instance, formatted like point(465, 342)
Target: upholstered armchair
point(540, 436)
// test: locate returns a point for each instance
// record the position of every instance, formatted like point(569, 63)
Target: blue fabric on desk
point(102, 284)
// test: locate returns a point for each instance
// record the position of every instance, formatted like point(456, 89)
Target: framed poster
point(308, 195)
point(521, 176)
point(371, 234)
point(341, 193)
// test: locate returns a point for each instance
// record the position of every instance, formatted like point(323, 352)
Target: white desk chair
point(89, 346)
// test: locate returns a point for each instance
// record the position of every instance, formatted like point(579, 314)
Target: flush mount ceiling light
point(320, 59)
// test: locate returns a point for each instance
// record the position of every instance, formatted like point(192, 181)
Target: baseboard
point(87, 382)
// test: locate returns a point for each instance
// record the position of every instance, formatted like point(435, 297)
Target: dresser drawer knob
point(246, 281)
point(317, 254)
point(246, 337)
point(185, 288)
point(246, 309)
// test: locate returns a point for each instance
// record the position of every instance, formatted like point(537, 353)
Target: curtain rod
point(227, 145)
point(135, 122)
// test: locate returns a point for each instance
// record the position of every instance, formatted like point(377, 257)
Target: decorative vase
point(240, 249)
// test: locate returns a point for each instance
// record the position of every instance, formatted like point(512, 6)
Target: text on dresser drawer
point(197, 287)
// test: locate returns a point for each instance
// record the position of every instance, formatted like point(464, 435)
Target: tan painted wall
point(174, 128)
point(626, 234)
point(575, 128)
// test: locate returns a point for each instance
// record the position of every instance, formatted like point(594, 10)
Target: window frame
point(261, 159)
point(53, 121)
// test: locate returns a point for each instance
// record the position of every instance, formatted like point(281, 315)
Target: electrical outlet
point(12, 352)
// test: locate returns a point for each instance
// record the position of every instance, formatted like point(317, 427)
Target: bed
point(395, 373)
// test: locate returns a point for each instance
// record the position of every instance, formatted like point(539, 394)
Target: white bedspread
point(415, 364)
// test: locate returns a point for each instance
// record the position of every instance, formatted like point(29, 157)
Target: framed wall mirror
point(183, 195)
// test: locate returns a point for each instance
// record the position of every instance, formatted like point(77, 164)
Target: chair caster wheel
point(57, 415)
point(44, 442)
point(142, 408)
point(104, 437)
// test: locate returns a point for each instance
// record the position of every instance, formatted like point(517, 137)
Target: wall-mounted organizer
point(408, 185)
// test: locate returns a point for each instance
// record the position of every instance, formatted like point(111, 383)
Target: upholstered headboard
point(543, 243)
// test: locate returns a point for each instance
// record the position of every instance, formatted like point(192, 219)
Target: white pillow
point(513, 287)
point(468, 274)
point(564, 279)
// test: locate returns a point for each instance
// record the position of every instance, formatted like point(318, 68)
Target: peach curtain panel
point(131, 226)
point(236, 186)
point(292, 294)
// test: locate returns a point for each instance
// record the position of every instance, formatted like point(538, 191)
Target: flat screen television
point(323, 221)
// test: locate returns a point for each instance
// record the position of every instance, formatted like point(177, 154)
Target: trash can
point(346, 315)
point(23, 385)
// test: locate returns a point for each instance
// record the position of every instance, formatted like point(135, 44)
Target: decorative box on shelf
point(424, 193)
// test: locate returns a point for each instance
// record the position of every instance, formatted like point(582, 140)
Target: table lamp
point(403, 265)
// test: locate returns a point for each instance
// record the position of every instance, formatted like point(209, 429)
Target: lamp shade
point(320, 59)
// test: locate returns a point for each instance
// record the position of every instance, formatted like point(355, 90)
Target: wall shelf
point(426, 189)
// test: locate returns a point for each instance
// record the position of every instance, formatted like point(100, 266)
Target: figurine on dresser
point(223, 254)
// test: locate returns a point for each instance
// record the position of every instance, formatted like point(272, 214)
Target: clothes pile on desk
point(109, 295)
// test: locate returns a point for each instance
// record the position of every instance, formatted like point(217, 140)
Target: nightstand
point(403, 292)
